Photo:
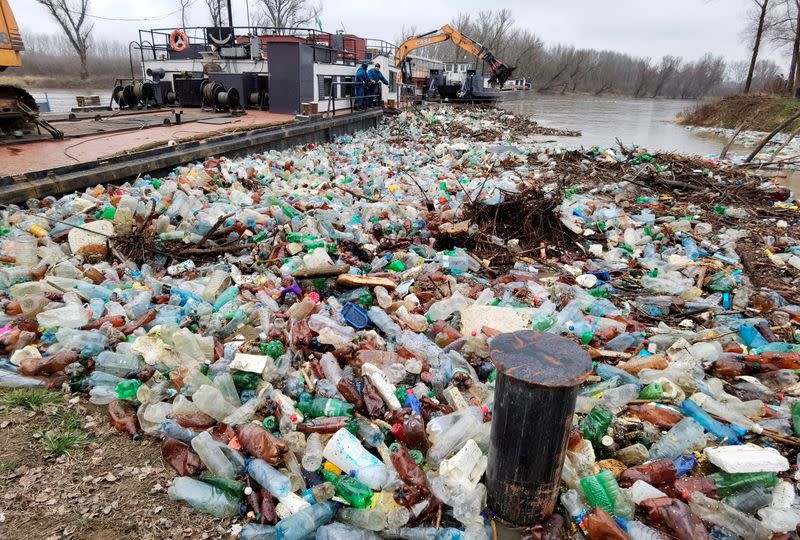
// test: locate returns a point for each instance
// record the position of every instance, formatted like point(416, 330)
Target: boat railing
point(154, 43)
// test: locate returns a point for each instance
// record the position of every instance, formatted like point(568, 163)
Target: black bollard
point(535, 393)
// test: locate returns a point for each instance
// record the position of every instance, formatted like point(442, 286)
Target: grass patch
point(66, 420)
point(62, 442)
point(33, 399)
point(759, 112)
point(8, 466)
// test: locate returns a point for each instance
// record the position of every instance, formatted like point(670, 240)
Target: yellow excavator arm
point(10, 40)
point(500, 71)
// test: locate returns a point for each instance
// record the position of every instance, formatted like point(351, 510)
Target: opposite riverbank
point(759, 112)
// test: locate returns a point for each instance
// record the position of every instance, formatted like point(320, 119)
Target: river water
point(648, 123)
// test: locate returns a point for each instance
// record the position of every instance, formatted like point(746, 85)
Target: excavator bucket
point(500, 74)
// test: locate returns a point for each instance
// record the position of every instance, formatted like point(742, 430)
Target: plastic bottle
point(116, 364)
point(226, 296)
point(204, 497)
point(315, 407)
point(655, 472)
point(596, 494)
point(303, 523)
point(209, 400)
point(369, 519)
point(719, 513)
point(349, 489)
point(682, 521)
point(261, 443)
point(219, 458)
point(728, 484)
point(270, 478)
point(596, 424)
point(123, 418)
point(312, 458)
point(598, 524)
point(384, 322)
point(731, 434)
point(683, 436)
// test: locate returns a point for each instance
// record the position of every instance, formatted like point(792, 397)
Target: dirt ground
point(111, 488)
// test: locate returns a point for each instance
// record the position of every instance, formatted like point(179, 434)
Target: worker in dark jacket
point(362, 81)
point(375, 77)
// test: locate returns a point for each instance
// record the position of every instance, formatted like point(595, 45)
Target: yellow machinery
point(18, 109)
point(500, 71)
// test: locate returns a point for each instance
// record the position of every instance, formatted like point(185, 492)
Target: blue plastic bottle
point(733, 433)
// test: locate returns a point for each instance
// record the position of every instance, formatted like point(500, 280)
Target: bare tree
point(668, 67)
point(184, 4)
point(783, 30)
point(71, 16)
point(216, 9)
point(289, 13)
point(763, 5)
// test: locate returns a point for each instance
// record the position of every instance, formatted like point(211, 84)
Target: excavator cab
point(500, 71)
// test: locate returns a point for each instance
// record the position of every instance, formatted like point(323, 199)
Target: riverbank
point(760, 112)
point(36, 81)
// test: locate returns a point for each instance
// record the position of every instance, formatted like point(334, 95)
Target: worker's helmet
point(363, 64)
point(378, 66)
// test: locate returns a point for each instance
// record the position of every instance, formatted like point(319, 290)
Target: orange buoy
point(178, 40)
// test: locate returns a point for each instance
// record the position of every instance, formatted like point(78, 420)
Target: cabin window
point(325, 83)
point(346, 90)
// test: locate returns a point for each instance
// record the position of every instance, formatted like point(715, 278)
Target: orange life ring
point(178, 40)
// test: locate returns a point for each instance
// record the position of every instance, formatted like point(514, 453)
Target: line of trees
point(568, 69)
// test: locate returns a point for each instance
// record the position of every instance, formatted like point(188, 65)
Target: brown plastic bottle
point(323, 425)
point(223, 433)
point(414, 430)
point(638, 363)
point(260, 443)
point(47, 364)
point(260, 502)
point(95, 275)
point(138, 323)
point(683, 523)
point(661, 417)
point(780, 360)
point(373, 402)
point(115, 320)
point(123, 418)
point(600, 526)
point(407, 469)
point(196, 420)
point(180, 457)
point(729, 368)
point(683, 487)
point(655, 472)
point(347, 387)
point(652, 508)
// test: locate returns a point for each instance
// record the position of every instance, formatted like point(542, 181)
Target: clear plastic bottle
point(26, 251)
point(220, 459)
point(312, 458)
point(269, 477)
point(719, 513)
point(204, 497)
point(384, 322)
point(209, 400)
point(683, 436)
point(303, 523)
point(370, 519)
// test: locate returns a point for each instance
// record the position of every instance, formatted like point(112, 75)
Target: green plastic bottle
point(351, 490)
point(596, 424)
point(396, 266)
point(229, 486)
point(542, 322)
point(244, 380)
point(596, 494)
point(651, 391)
point(272, 348)
point(796, 418)
point(127, 389)
point(315, 407)
point(730, 483)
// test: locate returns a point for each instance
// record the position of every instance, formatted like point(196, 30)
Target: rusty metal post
point(535, 393)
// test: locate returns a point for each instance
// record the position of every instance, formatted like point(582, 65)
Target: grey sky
point(688, 28)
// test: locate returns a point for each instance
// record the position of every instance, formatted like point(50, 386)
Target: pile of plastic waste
point(316, 361)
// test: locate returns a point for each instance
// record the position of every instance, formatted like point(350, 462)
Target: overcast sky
point(688, 28)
